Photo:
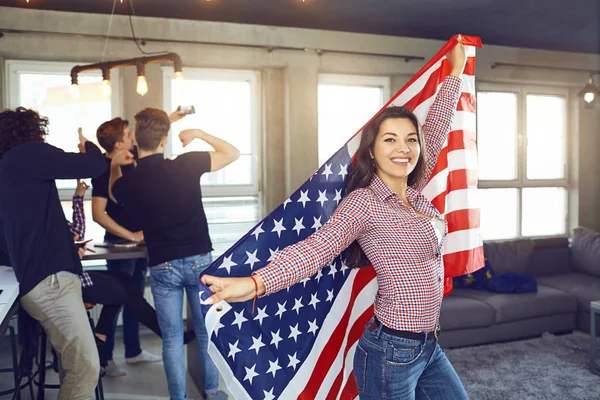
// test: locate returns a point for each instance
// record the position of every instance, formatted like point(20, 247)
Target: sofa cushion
point(509, 255)
point(583, 287)
point(461, 313)
point(514, 307)
point(550, 256)
point(585, 251)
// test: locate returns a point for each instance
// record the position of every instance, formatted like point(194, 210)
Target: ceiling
point(565, 25)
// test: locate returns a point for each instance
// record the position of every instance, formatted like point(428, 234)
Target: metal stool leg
point(42, 367)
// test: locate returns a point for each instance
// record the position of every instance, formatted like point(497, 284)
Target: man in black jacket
point(40, 244)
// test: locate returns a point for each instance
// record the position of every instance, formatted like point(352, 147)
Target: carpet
point(546, 368)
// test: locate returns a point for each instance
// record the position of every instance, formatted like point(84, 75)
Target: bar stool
point(99, 391)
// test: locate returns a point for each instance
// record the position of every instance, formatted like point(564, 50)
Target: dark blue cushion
point(475, 280)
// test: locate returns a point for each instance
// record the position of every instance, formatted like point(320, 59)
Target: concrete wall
point(289, 79)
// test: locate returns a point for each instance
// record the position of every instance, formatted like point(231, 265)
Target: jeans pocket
point(360, 368)
point(161, 275)
point(399, 353)
point(200, 263)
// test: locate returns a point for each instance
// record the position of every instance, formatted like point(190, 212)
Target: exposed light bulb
point(589, 97)
point(106, 89)
point(142, 85)
point(75, 91)
point(179, 75)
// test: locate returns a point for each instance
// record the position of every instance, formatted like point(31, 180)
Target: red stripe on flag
point(466, 102)
point(332, 348)
point(350, 390)
point(469, 261)
point(460, 220)
point(457, 180)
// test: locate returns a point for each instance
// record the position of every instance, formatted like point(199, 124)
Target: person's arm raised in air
point(224, 154)
point(53, 163)
point(303, 259)
point(441, 113)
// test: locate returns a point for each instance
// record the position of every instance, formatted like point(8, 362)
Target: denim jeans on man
point(393, 368)
point(168, 281)
point(131, 327)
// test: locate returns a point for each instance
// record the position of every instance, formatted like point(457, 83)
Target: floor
point(142, 382)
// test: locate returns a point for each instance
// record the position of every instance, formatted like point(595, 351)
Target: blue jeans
point(393, 368)
point(168, 281)
point(131, 327)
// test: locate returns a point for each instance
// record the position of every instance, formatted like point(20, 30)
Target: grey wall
point(289, 80)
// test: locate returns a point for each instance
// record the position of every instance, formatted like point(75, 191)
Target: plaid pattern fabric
point(78, 224)
point(78, 228)
point(86, 281)
point(402, 247)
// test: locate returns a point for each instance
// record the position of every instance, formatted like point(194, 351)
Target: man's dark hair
point(20, 126)
point(151, 125)
point(111, 132)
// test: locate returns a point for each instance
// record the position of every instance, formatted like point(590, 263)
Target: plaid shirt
point(402, 246)
point(78, 228)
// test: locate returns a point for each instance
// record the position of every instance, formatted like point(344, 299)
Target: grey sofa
point(568, 277)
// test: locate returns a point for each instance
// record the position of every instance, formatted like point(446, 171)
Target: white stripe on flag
point(462, 199)
point(457, 160)
point(464, 120)
point(368, 297)
point(340, 304)
point(364, 300)
point(233, 384)
point(423, 108)
point(417, 86)
point(467, 239)
point(353, 144)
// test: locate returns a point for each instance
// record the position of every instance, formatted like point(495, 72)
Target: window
point(226, 104)
point(346, 103)
point(45, 87)
point(523, 139)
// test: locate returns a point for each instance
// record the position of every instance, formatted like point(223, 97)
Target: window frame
point(15, 67)
point(370, 81)
point(252, 77)
point(521, 182)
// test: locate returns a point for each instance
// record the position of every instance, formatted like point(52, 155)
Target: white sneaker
point(114, 370)
point(143, 357)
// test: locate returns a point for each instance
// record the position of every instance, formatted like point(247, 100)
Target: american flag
point(300, 342)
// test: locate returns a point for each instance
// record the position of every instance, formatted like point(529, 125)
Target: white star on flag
point(256, 344)
point(285, 203)
point(298, 305)
point(269, 395)
point(251, 259)
point(293, 361)
point(338, 196)
point(343, 170)
point(314, 300)
point(313, 327)
point(250, 373)
point(273, 367)
point(299, 226)
point(279, 227)
point(317, 224)
point(280, 309)
point(322, 197)
point(262, 314)
point(276, 338)
point(327, 171)
point(233, 350)
point(294, 333)
point(258, 231)
point(303, 198)
point(239, 319)
point(227, 264)
point(272, 254)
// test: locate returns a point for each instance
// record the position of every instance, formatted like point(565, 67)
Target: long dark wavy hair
point(363, 168)
point(20, 126)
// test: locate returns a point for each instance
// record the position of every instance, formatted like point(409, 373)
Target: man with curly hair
point(39, 242)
